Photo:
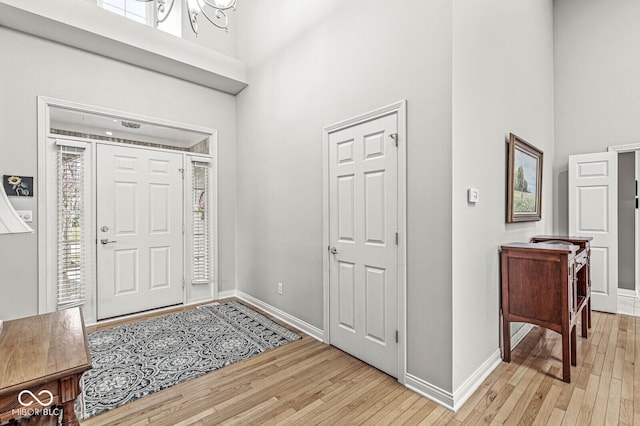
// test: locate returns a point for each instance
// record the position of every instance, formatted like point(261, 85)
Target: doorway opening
point(629, 228)
point(127, 211)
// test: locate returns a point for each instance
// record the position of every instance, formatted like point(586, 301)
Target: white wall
point(502, 82)
point(312, 64)
point(597, 90)
point(31, 67)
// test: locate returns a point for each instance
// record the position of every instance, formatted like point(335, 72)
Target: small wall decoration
point(21, 186)
point(524, 181)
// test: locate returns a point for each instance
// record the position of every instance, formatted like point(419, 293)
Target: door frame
point(620, 149)
point(399, 108)
point(47, 229)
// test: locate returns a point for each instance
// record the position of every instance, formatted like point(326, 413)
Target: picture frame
point(18, 186)
point(524, 181)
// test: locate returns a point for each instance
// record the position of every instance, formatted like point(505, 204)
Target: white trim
point(307, 328)
point(71, 143)
point(454, 401)
point(430, 391)
point(520, 334)
point(626, 306)
point(122, 115)
point(86, 26)
point(625, 147)
point(627, 293)
point(42, 202)
point(226, 294)
point(628, 302)
point(473, 382)
point(400, 108)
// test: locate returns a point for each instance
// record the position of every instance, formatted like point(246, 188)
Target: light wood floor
point(307, 382)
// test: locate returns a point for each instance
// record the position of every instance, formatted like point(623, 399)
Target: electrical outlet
point(280, 289)
point(26, 215)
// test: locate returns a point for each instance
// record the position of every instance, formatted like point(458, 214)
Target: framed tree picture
point(524, 181)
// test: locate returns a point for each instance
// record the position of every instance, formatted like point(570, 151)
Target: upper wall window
point(133, 9)
point(145, 12)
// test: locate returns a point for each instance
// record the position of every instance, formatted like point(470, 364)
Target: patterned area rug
point(135, 360)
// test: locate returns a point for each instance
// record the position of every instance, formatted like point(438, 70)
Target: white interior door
point(593, 212)
point(363, 222)
point(139, 220)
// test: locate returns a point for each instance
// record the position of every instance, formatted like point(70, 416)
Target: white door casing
point(363, 223)
point(593, 212)
point(139, 235)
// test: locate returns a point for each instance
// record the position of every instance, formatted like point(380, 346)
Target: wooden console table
point(547, 283)
point(41, 361)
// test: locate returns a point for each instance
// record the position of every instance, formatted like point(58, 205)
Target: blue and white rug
point(134, 360)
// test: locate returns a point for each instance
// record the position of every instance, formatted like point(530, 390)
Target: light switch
point(473, 195)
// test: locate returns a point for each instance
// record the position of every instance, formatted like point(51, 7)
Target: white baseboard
point(464, 391)
point(226, 294)
point(307, 328)
point(430, 391)
point(628, 302)
point(520, 334)
point(453, 401)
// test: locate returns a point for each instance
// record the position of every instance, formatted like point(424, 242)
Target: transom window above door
point(132, 9)
point(145, 12)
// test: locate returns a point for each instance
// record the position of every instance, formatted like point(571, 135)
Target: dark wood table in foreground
point(41, 361)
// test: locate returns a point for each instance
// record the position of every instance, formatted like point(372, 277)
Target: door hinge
point(183, 283)
point(394, 136)
point(397, 237)
point(181, 172)
point(396, 336)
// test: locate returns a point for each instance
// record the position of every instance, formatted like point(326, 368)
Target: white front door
point(363, 222)
point(139, 219)
point(593, 212)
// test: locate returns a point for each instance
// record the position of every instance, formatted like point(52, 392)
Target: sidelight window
point(200, 223)
point(71, 226)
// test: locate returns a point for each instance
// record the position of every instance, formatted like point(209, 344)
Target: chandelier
point(213, 10)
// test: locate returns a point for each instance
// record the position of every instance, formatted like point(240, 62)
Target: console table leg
point(566, 357)
point(69, 390)
point(68, 415)
point(573, 346)
point(506, 340)
point(585, 322)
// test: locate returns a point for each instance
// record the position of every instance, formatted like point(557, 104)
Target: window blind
point(71, 232)
point(201, 257)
